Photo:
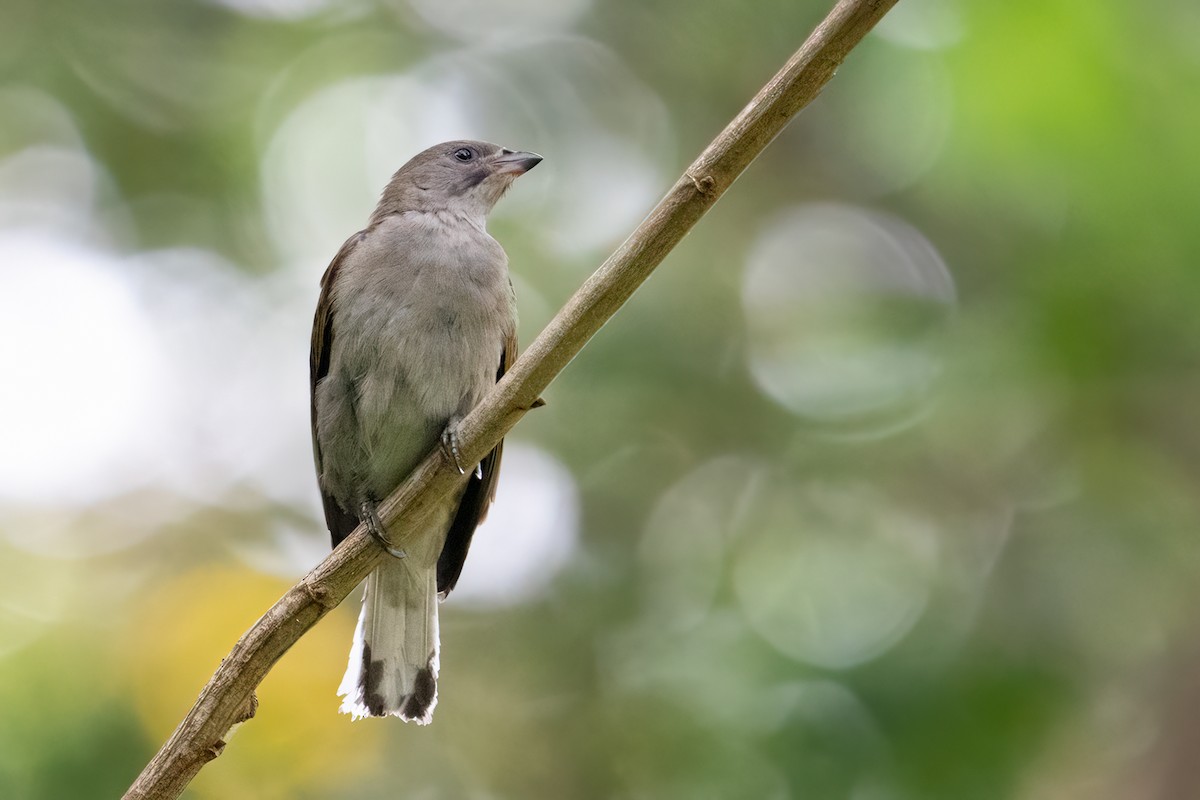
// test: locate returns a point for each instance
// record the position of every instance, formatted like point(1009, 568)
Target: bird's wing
point(473, 507)
point(340, 522)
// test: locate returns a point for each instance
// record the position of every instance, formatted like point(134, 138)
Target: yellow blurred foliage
point(297, 740)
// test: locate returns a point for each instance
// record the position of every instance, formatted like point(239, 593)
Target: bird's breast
point(422, 328)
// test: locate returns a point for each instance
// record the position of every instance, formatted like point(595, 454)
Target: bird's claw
point(370, 518)
point(450, 446)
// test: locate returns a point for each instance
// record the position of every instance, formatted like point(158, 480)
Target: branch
point(228, 698)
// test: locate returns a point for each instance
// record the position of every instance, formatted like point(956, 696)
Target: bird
point(416, 321)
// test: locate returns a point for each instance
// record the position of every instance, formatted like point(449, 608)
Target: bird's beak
point(516, 163)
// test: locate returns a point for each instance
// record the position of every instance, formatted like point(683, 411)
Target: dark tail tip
point(372, 679)
point(418, 704)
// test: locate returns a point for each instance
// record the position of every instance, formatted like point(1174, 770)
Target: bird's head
point(464, 175)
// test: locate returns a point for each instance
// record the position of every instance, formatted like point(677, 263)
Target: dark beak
point(516, 163)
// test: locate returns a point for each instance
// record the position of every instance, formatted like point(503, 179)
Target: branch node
point(320, 595)
point(704, 183)
point(248, 710)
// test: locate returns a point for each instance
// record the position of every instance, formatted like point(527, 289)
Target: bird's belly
point(421, 383)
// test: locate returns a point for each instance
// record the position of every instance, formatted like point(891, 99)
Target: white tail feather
point(393, 664)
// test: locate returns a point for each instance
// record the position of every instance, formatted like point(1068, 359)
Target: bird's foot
point(370, 517)
point(450, 444)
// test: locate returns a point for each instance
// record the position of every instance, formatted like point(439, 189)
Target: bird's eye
point(464, 154)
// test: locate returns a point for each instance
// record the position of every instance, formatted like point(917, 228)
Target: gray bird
point(416, 321)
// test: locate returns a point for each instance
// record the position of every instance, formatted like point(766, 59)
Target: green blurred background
point(883, 488)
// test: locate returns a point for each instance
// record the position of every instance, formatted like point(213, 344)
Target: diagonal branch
point(228, 698)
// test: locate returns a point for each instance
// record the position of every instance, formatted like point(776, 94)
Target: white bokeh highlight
point(531, 532)
point(834, 576)
point(683, 550)
point(287, 9)
point(485, 20)
point(843, 308)
point(167, 376)
point(78, 392)
point(881, 137)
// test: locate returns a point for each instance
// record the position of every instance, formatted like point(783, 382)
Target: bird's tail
point(394, 661)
